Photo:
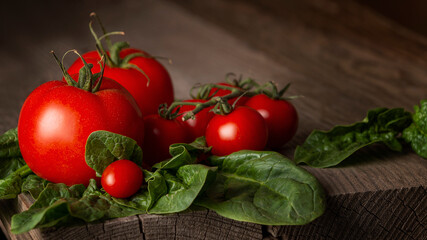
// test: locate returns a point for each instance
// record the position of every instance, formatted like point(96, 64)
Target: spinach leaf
point(10, 155)
point(170, 191)
point(34, 185)
point(182, 188)
point(50, 209)
point(148, 195)
point(416, 133)
point(264, 188)
point(10, 186)
point(41, 217)
point(60, 205)
point(329, 148)
point(55, 191)
point(103, 148)
point(183, 154)
point(9, 146)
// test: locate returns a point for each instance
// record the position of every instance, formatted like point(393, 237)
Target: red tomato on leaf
point(56, 120)
point(280, 116)
point(122, 178)
point(148, 94)
point(160, 133)
point(243, 128)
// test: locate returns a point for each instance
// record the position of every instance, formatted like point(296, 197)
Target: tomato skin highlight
point(280, 116)
point(56, 120)
point(148, 97)
point(243, 128)
point(196, 127)
point(122, 178)
point(160, 133)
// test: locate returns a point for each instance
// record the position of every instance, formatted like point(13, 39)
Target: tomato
point(281, 118)
point(196, 127)
point(56, 120)
point(122, 178)
point(160, 133)
point(222, 92)
point(243, 128)
point(148, 95)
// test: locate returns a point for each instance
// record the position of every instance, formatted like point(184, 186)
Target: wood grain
point(342, 57)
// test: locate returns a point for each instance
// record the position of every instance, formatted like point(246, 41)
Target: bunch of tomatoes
point(128, 92)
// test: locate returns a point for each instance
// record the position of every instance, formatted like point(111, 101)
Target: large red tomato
point(160, 133)
point(281, 118)
point(243, 128)
point(196, 127)
point(148, 94)
point(56, 120)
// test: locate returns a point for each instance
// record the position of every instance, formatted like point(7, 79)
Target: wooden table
point(343, 57)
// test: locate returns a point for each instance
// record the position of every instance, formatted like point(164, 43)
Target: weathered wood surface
point(341, 56)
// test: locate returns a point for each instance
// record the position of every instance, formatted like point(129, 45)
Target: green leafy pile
point(388, 126)
point(260, 187)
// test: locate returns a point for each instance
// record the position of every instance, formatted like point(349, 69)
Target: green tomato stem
point(67, 76)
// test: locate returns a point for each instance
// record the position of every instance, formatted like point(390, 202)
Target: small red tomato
point(243, 128)
point(148, 95)
point(122, 178)
point(160, 133)
point(196, 127)
point(222, 92)
point(280, 116)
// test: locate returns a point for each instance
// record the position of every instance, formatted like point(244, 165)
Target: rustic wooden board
point(341, 56)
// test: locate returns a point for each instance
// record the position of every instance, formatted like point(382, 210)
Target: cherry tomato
point(160, 133)
point(222, 92)
point(196, 127)
point(280, 116)
point(148, 95)
point(122, 178)
point(56, 120)
point(243, 128)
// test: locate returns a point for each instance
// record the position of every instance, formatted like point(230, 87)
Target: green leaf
point(55, 191)
point(34, 185)
point(41, 217)
point(10, 155)
point(10, 186)
point(147, 196)
point(329, 148)
point(416, 133)
point(182, 188)
point(183, 154)
point(264, 188)
point(103, 148)
point(9, 146)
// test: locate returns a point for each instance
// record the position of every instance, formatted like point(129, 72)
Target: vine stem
point(199, 106)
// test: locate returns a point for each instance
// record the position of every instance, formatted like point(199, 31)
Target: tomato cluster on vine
point(127, 91)
point(230, 115)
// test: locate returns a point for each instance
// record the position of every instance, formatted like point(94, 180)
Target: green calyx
point(239, 85)
point(272, 91)
point(112, 56)
point(244, 84)
point(87, 81)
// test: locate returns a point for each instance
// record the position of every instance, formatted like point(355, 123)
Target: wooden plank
point(342, 57)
